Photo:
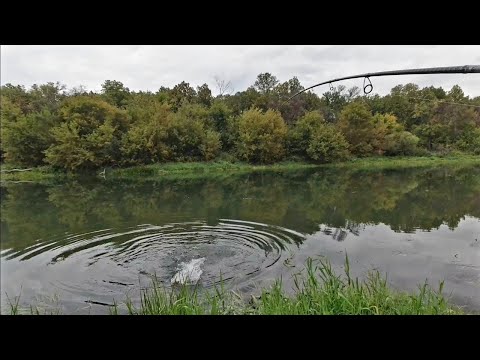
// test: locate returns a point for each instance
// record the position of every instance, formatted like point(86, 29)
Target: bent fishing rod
point(368, 87)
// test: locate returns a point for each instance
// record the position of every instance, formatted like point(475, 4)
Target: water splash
point(189, 273)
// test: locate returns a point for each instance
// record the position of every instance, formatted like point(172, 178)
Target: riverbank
point(320, 291)
point(222, 168)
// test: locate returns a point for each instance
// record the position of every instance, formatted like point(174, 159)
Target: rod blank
point(466, 69)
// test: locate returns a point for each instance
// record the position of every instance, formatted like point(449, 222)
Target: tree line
point(78, 130)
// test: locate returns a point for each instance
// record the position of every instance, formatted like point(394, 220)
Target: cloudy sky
point(147, 67)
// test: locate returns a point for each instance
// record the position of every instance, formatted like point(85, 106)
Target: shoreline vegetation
point(201, 169)
point(74, 131)
point(319, 290)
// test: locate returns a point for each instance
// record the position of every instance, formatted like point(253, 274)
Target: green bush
point(220, 115)
point(24, 138)
point(261, 136)
point(164, 136)
point(146, 141)
point(211, 145)
point(390, 137)
point(432, 136)
point(470, 141)
point(184, 137)
point(356, 124)
point(299, 137)
point(90, 135)
point(327, 145)
point(401, 143)
point(314, 139)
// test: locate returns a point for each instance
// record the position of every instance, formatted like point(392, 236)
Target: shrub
point(261, 136)
point(90, 135)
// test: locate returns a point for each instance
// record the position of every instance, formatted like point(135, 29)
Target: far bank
point(205, 169)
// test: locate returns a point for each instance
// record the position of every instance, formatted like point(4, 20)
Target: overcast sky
point(147, 67)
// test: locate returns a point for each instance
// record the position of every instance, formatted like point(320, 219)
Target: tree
point(18, 96)
point(242, 101)
point(456, 94)
point(265, 83)
point(144, 106)
point(224, 87)
point(10, 113)
point(180, 94)
point(115, 93)
point(439, 92)
point(46, 96)
point(211, 145)
point(77, 91)
point(401, 103)
point(204, 95)
point(261, 136)
point(383, 126)
point(163, 94)
point(352, 93)
point(335, 99)
point(455, 118)
point(294, 85)
point(219, 115)
point(301, 134)
point(25, 140)
point(432, 135)
point(470, 141)
point(196, 112)
point(294, 108)
point(356, 124)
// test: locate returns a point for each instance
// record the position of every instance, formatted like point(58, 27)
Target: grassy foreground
point(202, 169)
point(320, 291)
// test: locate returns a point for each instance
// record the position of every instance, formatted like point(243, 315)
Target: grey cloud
point(147, 67)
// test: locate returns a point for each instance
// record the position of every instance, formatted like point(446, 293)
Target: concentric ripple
point(100, 265)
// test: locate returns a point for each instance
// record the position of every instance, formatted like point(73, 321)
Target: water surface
point(79, 245)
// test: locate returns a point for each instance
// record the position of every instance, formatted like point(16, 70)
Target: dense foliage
point(78, 130)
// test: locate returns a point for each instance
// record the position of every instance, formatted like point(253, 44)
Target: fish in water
point(189, 273)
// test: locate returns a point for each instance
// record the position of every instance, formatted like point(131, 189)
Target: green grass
point(390, 163)
point(203, 169)
point(224, 168)
point(38, 174)
point(318, 291)
point(13, 305)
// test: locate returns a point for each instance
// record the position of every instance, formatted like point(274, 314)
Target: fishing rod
point(368, 88)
